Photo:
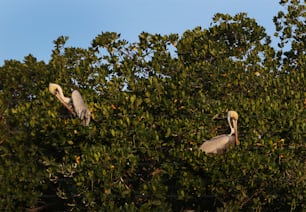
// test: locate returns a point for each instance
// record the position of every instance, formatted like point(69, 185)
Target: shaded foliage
point(151, 109)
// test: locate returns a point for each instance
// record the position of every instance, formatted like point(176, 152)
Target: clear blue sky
point(30, 26)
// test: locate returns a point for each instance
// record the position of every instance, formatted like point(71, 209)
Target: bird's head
point(233, 114)
point(57, 90)
point(53, 88)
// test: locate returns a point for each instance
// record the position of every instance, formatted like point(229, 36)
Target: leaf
point(133, 98)
point(168, 132)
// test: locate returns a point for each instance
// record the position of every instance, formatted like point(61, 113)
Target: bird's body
point(79, 107)
point(75, 104)
point(220, 143)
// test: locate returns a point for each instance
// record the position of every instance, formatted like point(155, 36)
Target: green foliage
point(291, 30)
point(151, 109)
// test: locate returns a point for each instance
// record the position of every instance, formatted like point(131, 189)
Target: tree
point(151, 109)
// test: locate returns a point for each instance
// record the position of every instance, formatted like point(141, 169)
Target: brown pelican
point(75, 104)
point(219, 143)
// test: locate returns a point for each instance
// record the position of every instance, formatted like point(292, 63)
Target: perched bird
point(222, 142)
point(75, 104)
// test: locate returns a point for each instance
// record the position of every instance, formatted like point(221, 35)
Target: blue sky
point(30, 26)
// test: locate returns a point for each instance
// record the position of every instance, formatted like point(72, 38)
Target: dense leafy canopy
point(152, 105)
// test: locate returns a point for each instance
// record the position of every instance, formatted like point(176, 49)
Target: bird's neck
point(231, 126)
point(65, 99)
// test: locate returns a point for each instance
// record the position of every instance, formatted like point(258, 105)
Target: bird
point(219, 144)
point(75, 104)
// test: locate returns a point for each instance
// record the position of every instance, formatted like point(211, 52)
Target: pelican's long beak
point(236, 131)
point(61, 99)
point(69, 107)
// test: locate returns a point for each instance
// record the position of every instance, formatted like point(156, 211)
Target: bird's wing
point(216, 144)
point(80, 108)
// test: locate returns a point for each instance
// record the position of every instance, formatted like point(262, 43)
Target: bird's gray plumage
point(80, 108)
point(218, 144)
